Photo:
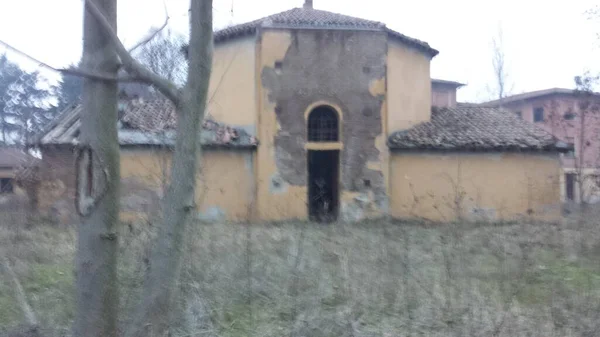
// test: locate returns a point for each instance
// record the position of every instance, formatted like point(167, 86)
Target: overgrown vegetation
point(378, 278)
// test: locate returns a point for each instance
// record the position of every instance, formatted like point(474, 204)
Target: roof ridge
point(307, 18)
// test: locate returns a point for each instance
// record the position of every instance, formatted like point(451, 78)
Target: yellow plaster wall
point(485, 186)
point(274, 201)
point(409, 87)
point(225, 183)
point(232, 82)
point(147, 165)
point(224, 180)
point(145, 168)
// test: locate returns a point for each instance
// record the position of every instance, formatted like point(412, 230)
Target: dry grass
point(378, 278)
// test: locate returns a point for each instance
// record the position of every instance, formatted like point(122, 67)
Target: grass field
point(378, 278)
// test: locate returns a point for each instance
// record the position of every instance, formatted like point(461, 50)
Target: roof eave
point(234, 36)
point(535, 95)
point(453, 84)
point(204, 146)
point(417, 148)
point(421, 46)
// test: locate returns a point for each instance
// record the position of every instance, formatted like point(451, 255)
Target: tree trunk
point(153, 316)
point(96, 260)
point(3, 121)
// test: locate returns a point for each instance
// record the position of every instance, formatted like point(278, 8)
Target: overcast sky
point(546, 42)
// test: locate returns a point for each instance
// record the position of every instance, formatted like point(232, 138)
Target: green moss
point(553, 276)
point(10, 314)
point(50, 289)
point(43, 277)
point(237, 320)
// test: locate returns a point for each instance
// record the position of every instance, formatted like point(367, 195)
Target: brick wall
point(443, 96)
point(57, 188)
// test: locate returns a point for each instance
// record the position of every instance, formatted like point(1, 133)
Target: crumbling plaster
point(346, 69)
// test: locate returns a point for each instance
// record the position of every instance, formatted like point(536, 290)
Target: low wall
point(225, 183)
point(475, 186)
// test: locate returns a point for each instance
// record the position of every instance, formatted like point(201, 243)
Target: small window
point(323, 125)
point(519, 114)
point(569, 116)
point(6, 186)
point(538, 115)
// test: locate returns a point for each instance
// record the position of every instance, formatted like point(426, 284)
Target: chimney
point(443, 93)
point(308, 4)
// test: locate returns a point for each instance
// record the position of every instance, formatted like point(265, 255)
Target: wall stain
point(341, 67)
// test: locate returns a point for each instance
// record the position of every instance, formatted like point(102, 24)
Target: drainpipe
point(308, 4)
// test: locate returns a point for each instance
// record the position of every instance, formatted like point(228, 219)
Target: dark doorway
point(6, 186)
point(570, 186)
point(323, 183)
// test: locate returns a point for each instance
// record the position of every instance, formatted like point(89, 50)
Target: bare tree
point(24, 106)
point(579, 124)
point(98, 174)
point(98, 183)
point(164, 56)
point(502, 86)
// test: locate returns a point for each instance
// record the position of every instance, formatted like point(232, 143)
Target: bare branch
point(70, 71)
point(152, 35)
point(149, 38)
point(79, 72)
point(502, 87)
point(133, 67)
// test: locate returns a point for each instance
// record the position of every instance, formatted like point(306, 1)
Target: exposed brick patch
point(321, 65)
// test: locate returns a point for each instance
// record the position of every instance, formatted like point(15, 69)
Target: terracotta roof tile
point(11, 157)
point(436, 81)
point(149, 115)
point(147, 122)
point(475, 128)
point(299, 18)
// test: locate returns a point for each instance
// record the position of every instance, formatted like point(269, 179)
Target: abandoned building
point(322, 116)
point(12, 190)
point(573, 117)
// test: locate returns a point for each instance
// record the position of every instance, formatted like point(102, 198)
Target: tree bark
point(153, 316)
point(579, 161)
point(96, 260)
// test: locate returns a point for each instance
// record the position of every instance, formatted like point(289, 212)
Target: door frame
point(336, 182)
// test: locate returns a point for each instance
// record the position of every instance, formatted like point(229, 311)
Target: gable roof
point(535, 94)
point(435, 81)
point(309, 18)
point(467, 128)
point(145, 122)
point(11, 157)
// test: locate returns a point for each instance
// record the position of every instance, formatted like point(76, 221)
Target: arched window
point(323, 125)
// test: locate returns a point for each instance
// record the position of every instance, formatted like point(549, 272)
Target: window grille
point(323, 125)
